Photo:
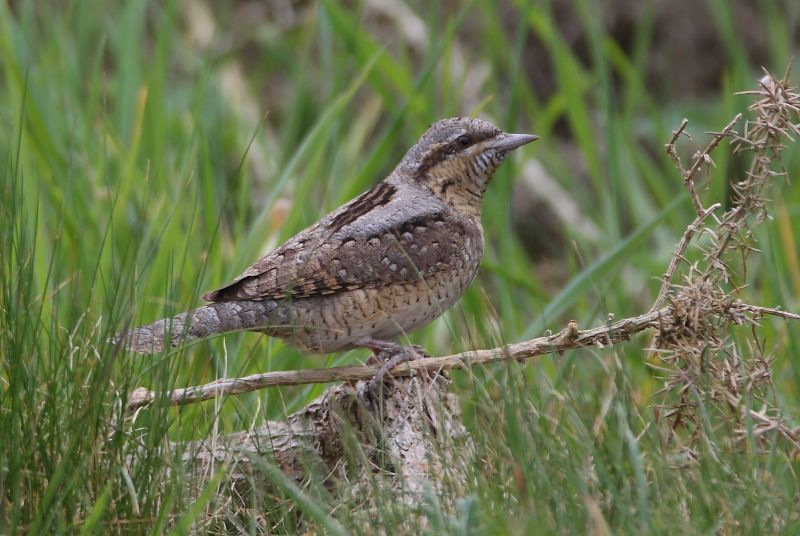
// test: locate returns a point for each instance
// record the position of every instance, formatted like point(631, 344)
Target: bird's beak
point(509, 142)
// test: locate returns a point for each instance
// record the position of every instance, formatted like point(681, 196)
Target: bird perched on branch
point(389, 261)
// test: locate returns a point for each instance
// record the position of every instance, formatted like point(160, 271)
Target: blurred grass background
point(150, 151)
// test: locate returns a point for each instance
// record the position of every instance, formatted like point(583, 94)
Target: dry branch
point(567, 339)
point(677, 255)
point(708, 376)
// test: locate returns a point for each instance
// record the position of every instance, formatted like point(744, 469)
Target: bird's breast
point(431, 274)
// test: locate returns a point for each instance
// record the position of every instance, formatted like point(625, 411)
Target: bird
point(387, 262)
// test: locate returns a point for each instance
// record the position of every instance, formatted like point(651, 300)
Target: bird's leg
point(389, 355)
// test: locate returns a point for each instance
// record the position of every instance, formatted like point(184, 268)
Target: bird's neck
point(458, 185)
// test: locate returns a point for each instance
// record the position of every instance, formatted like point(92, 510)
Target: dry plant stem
point(705, 158)
point(708, 376)
point(767, 311)
point(670, 146)
point(677, 256)
point(566, 339)
point(702, 213)
point(698, 160)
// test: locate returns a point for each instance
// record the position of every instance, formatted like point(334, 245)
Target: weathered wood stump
point(411, 439)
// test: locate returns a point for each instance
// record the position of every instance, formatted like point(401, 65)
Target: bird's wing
point(379, 238)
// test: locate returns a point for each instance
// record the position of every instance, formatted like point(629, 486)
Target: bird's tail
point(203, 322)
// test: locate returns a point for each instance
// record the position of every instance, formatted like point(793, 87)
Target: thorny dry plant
point(711, 381)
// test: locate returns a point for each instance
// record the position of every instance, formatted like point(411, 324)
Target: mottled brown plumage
point(387, 262)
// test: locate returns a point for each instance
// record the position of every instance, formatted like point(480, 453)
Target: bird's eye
point(464, 140)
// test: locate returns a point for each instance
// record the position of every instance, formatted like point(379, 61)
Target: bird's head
point(457, 157)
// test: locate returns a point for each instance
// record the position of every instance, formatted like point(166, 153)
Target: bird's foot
point(389, 355)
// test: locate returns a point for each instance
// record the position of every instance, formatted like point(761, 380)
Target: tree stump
point(409, 441)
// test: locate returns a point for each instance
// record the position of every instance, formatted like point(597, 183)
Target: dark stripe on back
point(380, 195)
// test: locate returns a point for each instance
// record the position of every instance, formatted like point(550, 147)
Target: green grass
point(132, 180)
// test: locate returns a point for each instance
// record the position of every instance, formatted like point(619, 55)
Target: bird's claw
point(389, 359)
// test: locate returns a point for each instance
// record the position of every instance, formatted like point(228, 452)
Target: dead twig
point(709, 376)
point(677, 255)
point(704, 157)
point(567, 339)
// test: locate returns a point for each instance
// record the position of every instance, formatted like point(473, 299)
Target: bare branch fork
point(704, 157)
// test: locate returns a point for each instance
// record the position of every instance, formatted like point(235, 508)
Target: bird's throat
point(459, 186)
